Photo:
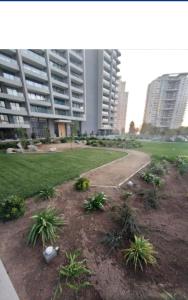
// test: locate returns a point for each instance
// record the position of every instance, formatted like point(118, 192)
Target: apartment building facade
point(102, 67)
point(41, 90)
point(121, 108)
point(167, 97)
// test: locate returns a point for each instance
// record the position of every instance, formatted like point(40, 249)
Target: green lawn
point(164, 148)
point(25, 174)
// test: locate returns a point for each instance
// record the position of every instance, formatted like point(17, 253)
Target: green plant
point(151, 198)
point(182, 165)
point(47, 193)
point(82, 184)
point(95, 202)
point(45, 227)
point(128, 222)
point(72, 274)
point(175, 296)
point(157, 168)
point(113, 239)
point(151, 178)
point(127, 194)
point(12, 208)
point(140, 253)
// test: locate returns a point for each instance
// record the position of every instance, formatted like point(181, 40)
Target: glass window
point(15, 106)
point(3, 119)
point(2, 104)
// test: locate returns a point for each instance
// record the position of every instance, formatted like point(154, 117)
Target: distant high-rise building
point(167, 97)
point(121, 108)
point(101, 90)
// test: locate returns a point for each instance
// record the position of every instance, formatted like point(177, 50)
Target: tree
point(132, 129)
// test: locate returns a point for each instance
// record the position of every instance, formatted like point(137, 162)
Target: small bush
point(72, 274)
point(6, 145)
point(151, 198)
point(157, 168)
point(182, 165)
point(95, 202)
point(12, 208)
point(82, 184)
point(126, 195)
point(151, 178)
point(140, 253)
point(45, 227)
point(128, 222)
point(47, 193)
point(64, 140)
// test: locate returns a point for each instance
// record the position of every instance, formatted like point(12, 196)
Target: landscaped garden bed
point(165, 226)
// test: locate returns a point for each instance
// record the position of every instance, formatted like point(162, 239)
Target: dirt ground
point(166, 228)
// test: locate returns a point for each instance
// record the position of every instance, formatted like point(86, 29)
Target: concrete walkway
point(114, 174)
point(7, 291)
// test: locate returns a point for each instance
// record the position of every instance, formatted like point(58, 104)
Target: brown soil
point(166, 228)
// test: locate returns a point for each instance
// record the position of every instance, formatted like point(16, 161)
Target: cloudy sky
point(140, 67)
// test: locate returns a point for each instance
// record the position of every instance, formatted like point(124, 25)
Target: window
point(35, 96)
point(33, 69)
point(12, 92)
point(34, 83)
point(2, 104)
point(40, 109)
point(3, 119)
point(9, 76)
point(15, 106)
point(18, 119)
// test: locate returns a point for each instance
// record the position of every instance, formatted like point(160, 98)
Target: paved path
point(119, 171)
point(7, 291)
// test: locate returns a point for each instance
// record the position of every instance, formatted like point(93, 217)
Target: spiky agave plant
point(45, 227)
point(140, 253)
point(95, 202)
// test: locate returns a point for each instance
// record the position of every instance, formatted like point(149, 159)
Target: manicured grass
point(26, 174)
point(171, 150)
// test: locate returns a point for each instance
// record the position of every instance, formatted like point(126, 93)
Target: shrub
point(82, 184)
point(182, 165)
point(64, 140)
point(12, 208)
point(73, 274)
point(151, 178)
point(6, 145)
point(151, 198)
point(113, 240)
point(47, 193)
point(128, 222)
point(95, 202)
point(140, 253)
point(127, 194)
point(45, 227)
point(157, 168)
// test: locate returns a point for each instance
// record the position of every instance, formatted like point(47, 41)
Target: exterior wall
point(121, 108)
point(101, 90)
point(167, 97)
point(46, 84)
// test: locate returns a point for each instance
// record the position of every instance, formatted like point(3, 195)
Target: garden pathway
point(7, 291)
point(117, 172)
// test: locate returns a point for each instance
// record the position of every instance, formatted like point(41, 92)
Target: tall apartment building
point(121, 108)
point(41, 89)
point(167, 97)
point(101, 90)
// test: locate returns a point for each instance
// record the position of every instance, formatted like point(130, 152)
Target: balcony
point(76, 78)
point(58, 70)
point(76, 89)
point(46, 103)
point(106, 75)
point(59, 83)
point(107, 56)
point(9, 63)
point(77, 99)
point(35, 87)
point(35, 74)
point(108, 66)
point(57, 57)
point(78, 109)
point(106, 91)
point(13, 82)
point(62, 106)
point(33, 58)
point(105, 113)
point(21, 112)
point(105, 106)
point(105, 99)
point(76, 55)
point(76, 67)
point(19, 97)
point(14, 125)
point(60, 95)
point(106, 83)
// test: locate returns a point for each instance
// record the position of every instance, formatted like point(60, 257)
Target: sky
point(139, 67)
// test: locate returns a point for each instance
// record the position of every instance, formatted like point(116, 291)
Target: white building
point(167, 97)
